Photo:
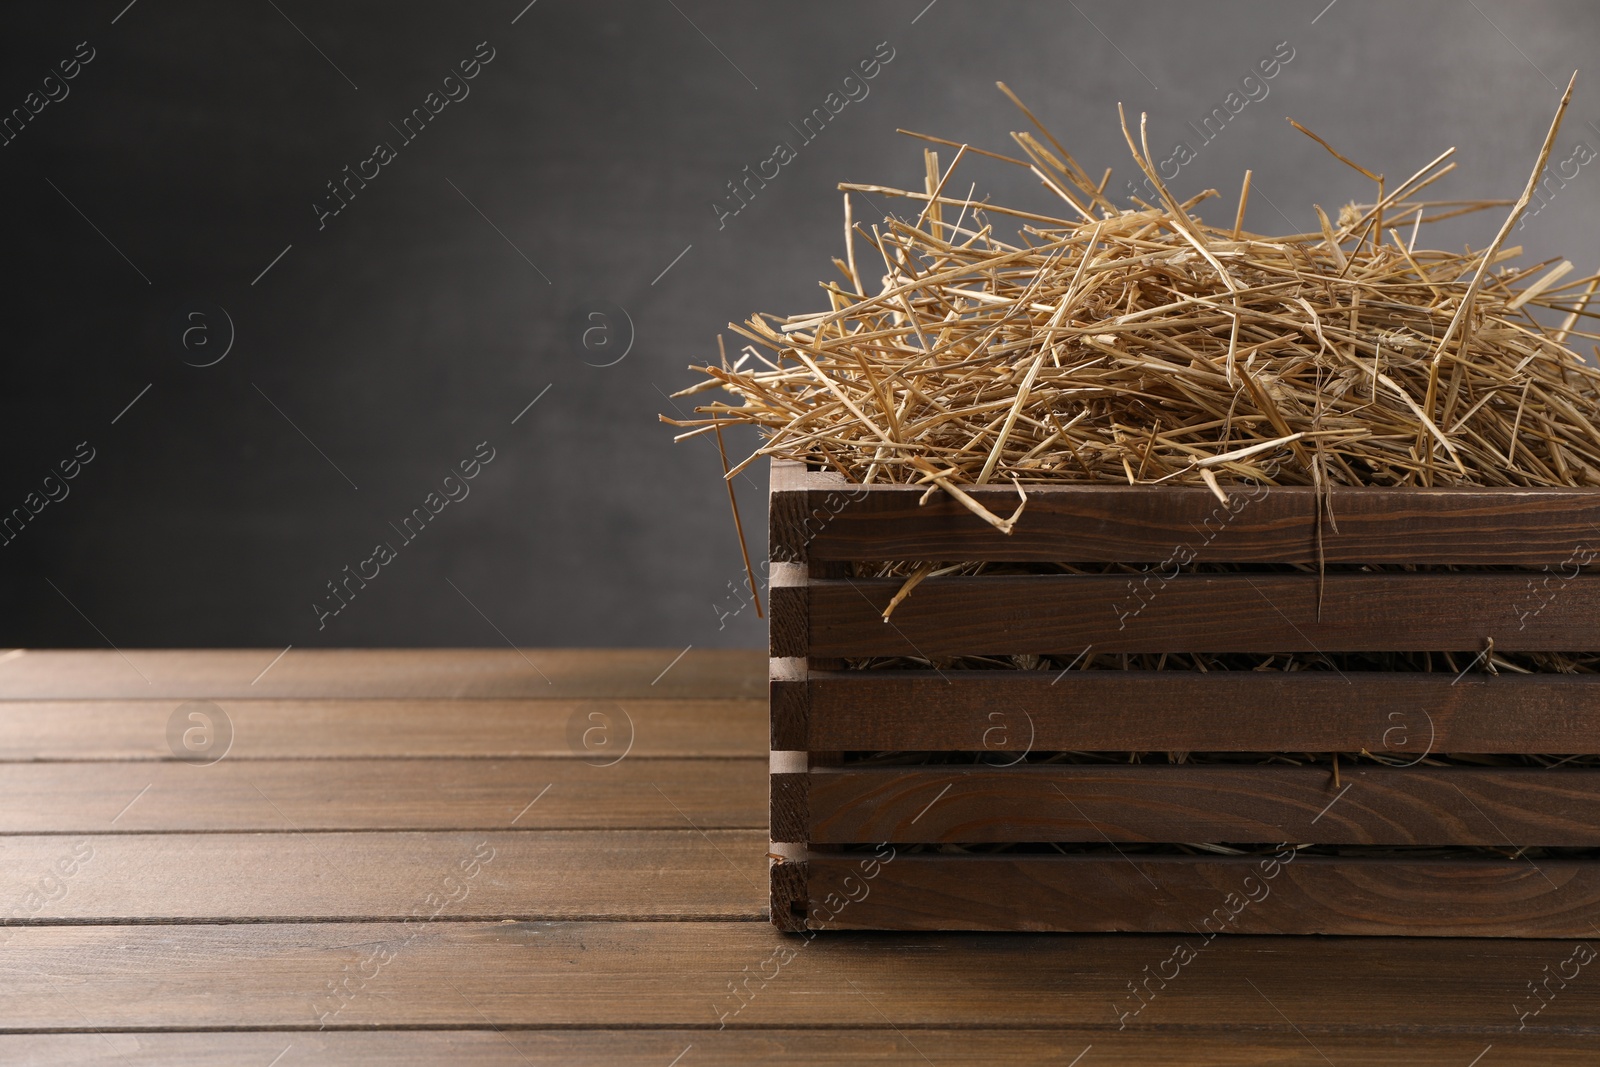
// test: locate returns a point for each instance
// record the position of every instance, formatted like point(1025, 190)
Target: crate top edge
point(793, 476)
point(1051, 680)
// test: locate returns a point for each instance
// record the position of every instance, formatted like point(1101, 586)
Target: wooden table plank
point(598, 975)
point(595, 730)
point(818, 1048)
point(642, 874)
point(410, 794)
point(332, 741)
point(440, 673)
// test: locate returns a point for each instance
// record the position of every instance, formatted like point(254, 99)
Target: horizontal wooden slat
point(639, 874)
point(445, 794)
point(820, 516)
point(594, 730)
point(1005, 714)
point(574, 975)
point(1134, 1047)
point(1065, 614)
point(1152, 802)
point(1311, 895)
point(416, 673)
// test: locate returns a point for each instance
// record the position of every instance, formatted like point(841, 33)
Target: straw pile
point(1146, 345)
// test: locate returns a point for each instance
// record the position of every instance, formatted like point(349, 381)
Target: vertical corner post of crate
point(789, 693)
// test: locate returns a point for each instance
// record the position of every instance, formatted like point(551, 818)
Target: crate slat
point(1216, 802)
point(816, 515)
point(1064, 614)
point(1007, 713)
point(1310, 895)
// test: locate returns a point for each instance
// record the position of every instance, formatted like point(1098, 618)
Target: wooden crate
point(821, 810)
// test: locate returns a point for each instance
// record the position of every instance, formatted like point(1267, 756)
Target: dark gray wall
point(383, 347)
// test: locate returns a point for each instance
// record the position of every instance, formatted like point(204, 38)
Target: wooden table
point(464, 856)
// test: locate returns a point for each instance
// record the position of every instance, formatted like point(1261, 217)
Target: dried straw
point(1146, 346)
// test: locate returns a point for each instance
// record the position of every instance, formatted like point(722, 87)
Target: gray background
point(413, 326)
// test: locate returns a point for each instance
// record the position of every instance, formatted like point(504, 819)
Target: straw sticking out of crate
point(1146, 346)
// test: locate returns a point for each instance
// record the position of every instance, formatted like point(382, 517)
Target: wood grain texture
point(820, 516)
point(1064, 614)
point(1153, 802)
point(786, 511)
point(1311, 895)
point(640, 987)
point(790, 813)
point(594, 730)
point(789, 697)
point(415, 673)
point(1007, 713)
point(786, 903)
point(641, 874)
point(442, 794)
point(580, 975)
point(1266, 1046)
point(788, 610)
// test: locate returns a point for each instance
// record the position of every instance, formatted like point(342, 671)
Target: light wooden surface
point(253, 911)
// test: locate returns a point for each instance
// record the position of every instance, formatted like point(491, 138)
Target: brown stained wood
point(443, 794)
point(310, 728)
point(786, 510)
point(1134, 1047)
point(1153, 802)
point(1183, 895)
point(588, 975)
point(409, 673)
point(790, 703)
point(825, 569)
point(1064, 614)
point(1005, 714)
point(788, 610)
point(640, 874)
point(1422, 1001)
point(786, 902)
point(821, 516)
point(790, 817)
